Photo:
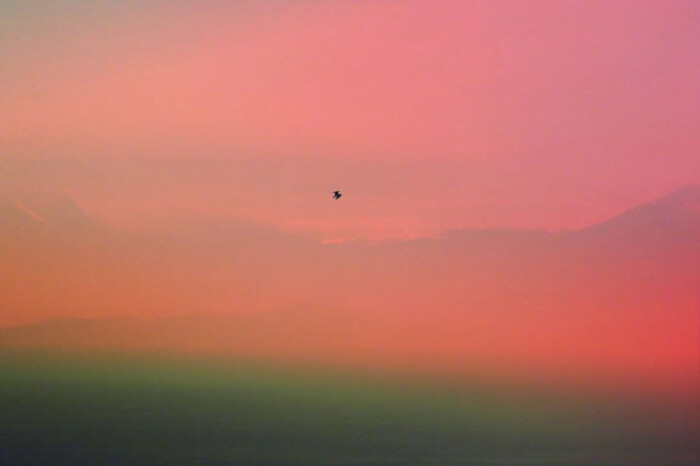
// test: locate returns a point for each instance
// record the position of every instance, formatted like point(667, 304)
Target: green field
point(129, 411)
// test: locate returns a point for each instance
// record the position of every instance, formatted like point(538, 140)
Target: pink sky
point(430, 115)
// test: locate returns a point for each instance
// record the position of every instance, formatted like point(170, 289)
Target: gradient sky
point(428, 115)
point(546, 114)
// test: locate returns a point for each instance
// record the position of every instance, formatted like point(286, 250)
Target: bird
point(336, 195)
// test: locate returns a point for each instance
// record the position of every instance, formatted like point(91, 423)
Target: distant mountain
point(31, 224)
point(618, 297)
point(665, 232)
point(275, 334)
point(678, 212)
point(31, 212)
point(686, 198)
point(56, 262)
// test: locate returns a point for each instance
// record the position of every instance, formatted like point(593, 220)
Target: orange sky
point(428, 115)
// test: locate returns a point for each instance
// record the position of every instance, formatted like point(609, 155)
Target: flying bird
point(336, 195)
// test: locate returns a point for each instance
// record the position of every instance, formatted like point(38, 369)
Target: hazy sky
point(429, 115)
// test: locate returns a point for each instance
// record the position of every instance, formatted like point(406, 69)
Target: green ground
point(120, 411)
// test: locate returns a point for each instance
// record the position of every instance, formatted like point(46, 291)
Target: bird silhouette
point(336, 195)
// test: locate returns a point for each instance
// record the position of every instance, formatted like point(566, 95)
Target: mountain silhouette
point(487, 298)
point(26, 213)
point(676, 213)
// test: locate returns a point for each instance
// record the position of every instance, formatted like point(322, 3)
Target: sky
point(428, 115)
